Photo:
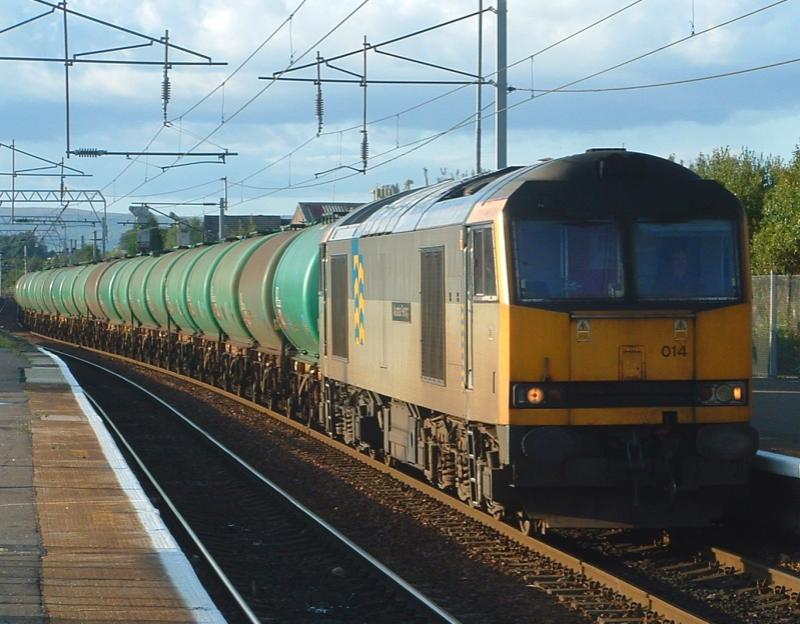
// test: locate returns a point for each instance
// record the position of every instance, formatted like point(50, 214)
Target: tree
point(776, 245)
point(747, 175)
point(15, 248)
point(128, 242)
point(170, 234)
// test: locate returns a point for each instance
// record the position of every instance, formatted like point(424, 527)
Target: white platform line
point(775, 463)
point(172, 558)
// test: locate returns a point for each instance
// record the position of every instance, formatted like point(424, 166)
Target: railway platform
point(79, 539)
point(776, 415)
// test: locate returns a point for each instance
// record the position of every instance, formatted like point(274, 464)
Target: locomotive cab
point(629, 351)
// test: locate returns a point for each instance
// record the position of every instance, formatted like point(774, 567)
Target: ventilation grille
point(339, 334)
point(432, 313)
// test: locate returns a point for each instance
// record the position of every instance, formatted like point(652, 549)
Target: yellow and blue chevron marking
point(359, 303)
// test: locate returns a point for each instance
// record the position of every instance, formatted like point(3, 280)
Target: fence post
point(772, 368)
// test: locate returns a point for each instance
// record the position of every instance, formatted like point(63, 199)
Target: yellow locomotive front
point(625, 343)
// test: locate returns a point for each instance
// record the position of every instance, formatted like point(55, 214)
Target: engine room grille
point(432, 313)
point(339, 316)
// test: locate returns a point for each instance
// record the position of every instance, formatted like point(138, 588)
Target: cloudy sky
point(273, 127)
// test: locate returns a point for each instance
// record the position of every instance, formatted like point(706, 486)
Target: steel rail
point(648, 600)
point(237, 597)
point(352, 546)
point(741, 563)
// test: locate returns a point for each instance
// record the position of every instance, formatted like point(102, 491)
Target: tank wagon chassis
point(531, 340)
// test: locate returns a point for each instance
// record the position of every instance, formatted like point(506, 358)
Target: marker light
point(721, 393)
point(705, 392)
point(535, 396)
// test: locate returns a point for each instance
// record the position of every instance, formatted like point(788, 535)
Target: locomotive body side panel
point(385, 341)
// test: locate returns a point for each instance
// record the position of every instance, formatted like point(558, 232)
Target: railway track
point(600, 586)
point(723, 584)
point(276, 559)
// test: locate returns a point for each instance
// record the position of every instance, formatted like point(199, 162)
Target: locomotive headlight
point(723, 393)
point(535, 395)
point(738, 393)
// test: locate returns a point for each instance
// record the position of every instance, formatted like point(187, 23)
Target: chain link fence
point(776, 325)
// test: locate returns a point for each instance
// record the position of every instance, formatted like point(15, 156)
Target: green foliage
point(87, 253)
point(788, 351)
point(776, 246)
point(747, 175)
point(170, 234)
point(13, 248)
point(128, 243)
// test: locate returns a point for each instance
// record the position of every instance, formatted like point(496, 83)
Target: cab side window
point(484, 281)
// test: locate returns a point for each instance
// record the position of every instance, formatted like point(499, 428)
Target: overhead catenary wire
point(253, 98)
point(247, 59)
point(390, 116)
point(398, 113)
point(311, 182)
point(418, 144)
point(238, 68)
point(670, 83)
point(436, 98)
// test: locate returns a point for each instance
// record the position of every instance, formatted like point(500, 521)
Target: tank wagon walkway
point(79, 540)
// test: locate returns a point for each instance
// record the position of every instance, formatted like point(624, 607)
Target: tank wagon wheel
point(495, 510)
point(530, 526)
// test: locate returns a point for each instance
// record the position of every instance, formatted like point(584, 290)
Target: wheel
point(495, 510)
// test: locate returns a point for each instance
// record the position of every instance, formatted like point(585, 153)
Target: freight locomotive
point(566, 343)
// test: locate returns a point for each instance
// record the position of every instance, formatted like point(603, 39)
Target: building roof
point(311, 212)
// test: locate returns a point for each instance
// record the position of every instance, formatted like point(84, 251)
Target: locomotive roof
point(457, 202)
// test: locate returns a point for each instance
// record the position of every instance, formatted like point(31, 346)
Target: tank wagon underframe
point(421, 330)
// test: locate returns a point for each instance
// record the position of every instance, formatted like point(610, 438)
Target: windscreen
point(687, 260)
point(568, 260)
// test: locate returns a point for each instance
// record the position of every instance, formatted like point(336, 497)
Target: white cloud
point(117, 106)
